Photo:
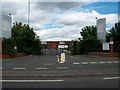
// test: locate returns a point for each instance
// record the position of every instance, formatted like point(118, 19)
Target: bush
point(35, 49)
point(8, 46)
point(90, 45)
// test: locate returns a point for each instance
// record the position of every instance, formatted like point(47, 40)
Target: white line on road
point(93, 62)
point(84, 62)
point(18, 68)
point(62, 68)
point(76, 63)
point(1, 68)
point(48, 64)
point(42, 68)
point(101, 62)
point(31, 81)
point(109, 62)
point(115, 61)
point(109, 78)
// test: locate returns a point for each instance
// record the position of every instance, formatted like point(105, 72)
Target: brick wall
point(54, 44)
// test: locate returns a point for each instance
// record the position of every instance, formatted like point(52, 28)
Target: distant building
point(55, 44)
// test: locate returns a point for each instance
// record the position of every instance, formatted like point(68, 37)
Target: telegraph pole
point(28, 12)
point(111, 45)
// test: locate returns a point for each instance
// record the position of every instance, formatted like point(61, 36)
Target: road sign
point(62, 46)
point(106, 46)
point(111, 42)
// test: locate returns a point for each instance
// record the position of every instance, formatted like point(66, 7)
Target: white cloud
point(78, 18)
point(65, 33)
point(73, 23)
point(61, 0)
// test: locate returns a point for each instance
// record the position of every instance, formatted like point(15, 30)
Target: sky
point(61, 21)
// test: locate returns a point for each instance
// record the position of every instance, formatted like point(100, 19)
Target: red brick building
point(54, 44)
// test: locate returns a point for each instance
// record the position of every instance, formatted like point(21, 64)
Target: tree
point(8, 46)
point(24, 37)
point(89, 31)
point(89, 41)
point(115, 33)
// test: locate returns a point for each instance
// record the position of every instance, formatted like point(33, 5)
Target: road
point(64, 82)
point(35, 63)
point(77, 72)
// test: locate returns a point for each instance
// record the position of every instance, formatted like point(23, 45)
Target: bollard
point(62, 58)
point(63, 54)
point(58, 58)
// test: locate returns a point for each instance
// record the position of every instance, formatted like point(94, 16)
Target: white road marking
point(19, 68)
point(41, 68)
point(74, 57)
point(1, 68)
point(70, 56)
point(84, 62)
point(115, 61)
point(101, 62)
point(109, 62)
point(109, 78)
point(93, 62)
point(62, 68)
point(48, 64)
point(76, 63)
point(31, 81)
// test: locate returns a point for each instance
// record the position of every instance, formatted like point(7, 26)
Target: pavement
point(63, 71)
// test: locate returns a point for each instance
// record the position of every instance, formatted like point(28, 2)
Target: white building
point(6, 24)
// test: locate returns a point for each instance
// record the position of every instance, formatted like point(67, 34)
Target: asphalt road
point(35, 63)
point(40, 64)
point(39, 71)
point(64, 82)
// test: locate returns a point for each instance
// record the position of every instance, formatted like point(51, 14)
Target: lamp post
point(28, 12)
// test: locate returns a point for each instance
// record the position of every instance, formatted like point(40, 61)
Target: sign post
point(111, 45)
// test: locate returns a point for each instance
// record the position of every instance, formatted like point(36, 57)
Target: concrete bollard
point(62, 58)
point(58, 58)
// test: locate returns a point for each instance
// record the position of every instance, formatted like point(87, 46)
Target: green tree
point(24, 37)
point(89, 31)
point(8, 46)
point(89, 41)
point(114, 32)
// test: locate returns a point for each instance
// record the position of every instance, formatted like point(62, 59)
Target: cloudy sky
point(61, 20)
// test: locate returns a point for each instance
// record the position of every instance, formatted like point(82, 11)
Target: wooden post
point(111, 45)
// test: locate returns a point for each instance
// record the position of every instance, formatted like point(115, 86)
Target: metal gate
point(55, 51)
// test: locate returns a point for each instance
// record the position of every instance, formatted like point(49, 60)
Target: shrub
point(8, 46)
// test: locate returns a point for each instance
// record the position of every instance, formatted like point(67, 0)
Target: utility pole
point(29, 12)
point(111, 45)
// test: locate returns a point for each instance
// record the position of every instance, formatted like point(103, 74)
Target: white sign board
point(101, 29)
point(61, 42)
point(106, 46)
point(43, 42)
point(111, 42)
point(62, 46)
point(65, 46)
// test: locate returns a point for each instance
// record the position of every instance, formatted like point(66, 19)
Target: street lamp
point(28, 12)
